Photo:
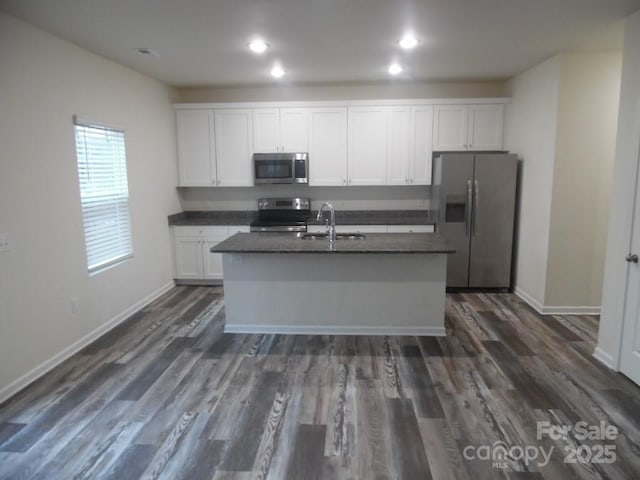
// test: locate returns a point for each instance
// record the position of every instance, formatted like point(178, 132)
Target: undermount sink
point(339, 236)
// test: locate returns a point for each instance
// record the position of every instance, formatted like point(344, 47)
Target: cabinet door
point(266, 130)
point(421, 146)
point(450, 127)
point(294, 129)
point(398, 151)
point(234, 148)
point(188, 249)
point(196, 149)
point(212, 262)
point(486, 126)
point(367, 160)
point(328, 146)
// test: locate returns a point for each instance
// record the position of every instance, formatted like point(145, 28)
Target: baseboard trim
point(577, 310)
point(555, 310)
point(32, 375)
point(535, 304)
point(335, 330)
point(180, 281)
point(604, 358)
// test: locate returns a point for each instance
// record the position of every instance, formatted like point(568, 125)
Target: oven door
point(273, 170)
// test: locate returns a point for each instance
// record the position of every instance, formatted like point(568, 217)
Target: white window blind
point(102, 170)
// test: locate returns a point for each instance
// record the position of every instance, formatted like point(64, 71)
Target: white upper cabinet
point(266, 130)
point(368, 142)
point(234, 134)
point(328, 146)
point(421, 145)
point(294, 129)
point(280, 130)
point(196, 148)
point(398, 145)
point(450, 127)
point(468, 127)
point(390, 145)
point(355, 143)
point(486, 127)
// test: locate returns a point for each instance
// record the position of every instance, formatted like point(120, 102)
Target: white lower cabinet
point(193, 260)
point(188, 252)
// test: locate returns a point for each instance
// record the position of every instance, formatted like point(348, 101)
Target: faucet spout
point(331, 227)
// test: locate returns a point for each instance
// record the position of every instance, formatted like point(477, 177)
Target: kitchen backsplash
point(342, 198)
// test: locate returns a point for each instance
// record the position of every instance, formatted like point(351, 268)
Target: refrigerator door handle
point(476, 206)
point(467, 217)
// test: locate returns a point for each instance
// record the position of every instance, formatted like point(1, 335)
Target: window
point(102, 170)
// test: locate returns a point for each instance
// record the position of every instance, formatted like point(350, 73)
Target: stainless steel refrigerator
point(476, 193)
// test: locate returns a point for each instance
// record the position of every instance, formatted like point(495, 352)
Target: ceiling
point(204, 42)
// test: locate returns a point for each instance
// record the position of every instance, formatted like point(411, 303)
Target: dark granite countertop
point(214, 217)
point(372, 243)
point(343, 217)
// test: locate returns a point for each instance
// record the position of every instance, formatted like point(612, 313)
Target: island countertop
point(284, 243)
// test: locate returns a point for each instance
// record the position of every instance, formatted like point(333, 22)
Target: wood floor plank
point(167, 394)
point(445, 459)
point(8, 430)
point(170, 445)
point(409, 455)
point(132, 463)
point(374, 446)
point(27, 436)
point(267, 448)
point(242, 448)
point(307, 459)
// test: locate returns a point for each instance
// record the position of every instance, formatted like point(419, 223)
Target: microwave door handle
point(467, 213)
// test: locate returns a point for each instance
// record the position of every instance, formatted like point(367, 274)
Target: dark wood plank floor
point(168, 395)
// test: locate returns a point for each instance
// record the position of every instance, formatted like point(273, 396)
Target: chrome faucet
point(331, 227)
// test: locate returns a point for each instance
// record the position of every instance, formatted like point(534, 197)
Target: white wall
point(530, 131)
point(342, 91)
point(562, 124)
point(45, 81)
point(622, 198)
point(583, 167)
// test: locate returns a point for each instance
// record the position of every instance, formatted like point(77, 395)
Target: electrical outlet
point(4, 242)
point(75, 305)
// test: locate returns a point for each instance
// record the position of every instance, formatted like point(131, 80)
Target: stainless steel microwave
point(280, 168)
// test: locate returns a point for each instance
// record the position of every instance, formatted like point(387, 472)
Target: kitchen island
point(386, 284)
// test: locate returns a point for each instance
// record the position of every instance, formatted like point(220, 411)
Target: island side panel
point(390, 294)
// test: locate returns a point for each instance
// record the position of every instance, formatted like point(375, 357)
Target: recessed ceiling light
point(277, 71)
point(395, 69)
point(408, 41)
point(258, 46)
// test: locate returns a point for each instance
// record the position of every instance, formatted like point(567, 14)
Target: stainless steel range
point(282, 215)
